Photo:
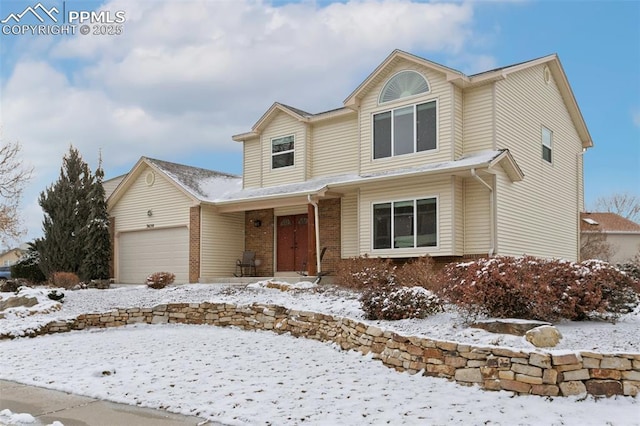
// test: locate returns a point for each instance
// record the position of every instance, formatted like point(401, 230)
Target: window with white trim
point(282, 152)
point(405, 130)
point(547, 142)
point(405, 224)
point(402, 85)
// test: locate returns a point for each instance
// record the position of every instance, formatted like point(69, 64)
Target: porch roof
point(331, 186)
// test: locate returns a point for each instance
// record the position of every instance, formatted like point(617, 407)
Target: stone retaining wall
point(492, 368)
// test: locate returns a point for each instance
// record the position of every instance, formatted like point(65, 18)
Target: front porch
point(288, 240)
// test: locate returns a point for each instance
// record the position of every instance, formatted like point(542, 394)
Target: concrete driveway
point(72, 410)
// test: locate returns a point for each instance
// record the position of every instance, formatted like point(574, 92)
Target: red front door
point(292, 242)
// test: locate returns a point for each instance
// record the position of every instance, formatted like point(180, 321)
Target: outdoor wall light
point(149, 213)
point(257, 223)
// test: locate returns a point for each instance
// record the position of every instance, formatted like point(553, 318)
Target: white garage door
point(141, 253)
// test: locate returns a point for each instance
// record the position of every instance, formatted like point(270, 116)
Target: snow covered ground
point(246, 378)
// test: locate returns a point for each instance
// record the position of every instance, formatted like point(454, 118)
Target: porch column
point(312, 269)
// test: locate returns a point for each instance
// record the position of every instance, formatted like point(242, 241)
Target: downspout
point(579, 169)
point(316, 215)
point(491, 210)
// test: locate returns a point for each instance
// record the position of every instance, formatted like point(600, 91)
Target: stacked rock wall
point(492, 368)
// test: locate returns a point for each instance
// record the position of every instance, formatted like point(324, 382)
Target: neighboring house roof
point(321, 185)
point(454, 76)
point(199, 184)
point(110, 185)
point(609, 223)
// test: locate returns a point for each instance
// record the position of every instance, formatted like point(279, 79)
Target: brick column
point(259, 228)
point(329, 218)
point(194, 244)
point(312, 266)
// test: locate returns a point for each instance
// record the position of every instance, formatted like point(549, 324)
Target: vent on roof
point(590, 221)
point(402, 85)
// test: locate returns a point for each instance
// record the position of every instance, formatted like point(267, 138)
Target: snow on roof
point(203, 184)
point(314, 185)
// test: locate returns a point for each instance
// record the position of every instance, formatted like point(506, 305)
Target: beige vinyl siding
point(111, 185)
point(252, 164)
point(408, 189)
point(478, 107)
point(168, 204)
point(457, 187)
point(477, 217)
point(349, 225)
point(538, 216)
point(283, 125)
point(440, 91)
point(290, 210)
point(457, 116)
point(334, 149)
point(221, 243)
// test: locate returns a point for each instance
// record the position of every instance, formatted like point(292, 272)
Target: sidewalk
point(48, 406)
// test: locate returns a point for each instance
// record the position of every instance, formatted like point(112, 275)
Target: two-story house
point(420, 159)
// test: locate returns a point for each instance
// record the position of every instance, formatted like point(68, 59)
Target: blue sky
point(186, 75)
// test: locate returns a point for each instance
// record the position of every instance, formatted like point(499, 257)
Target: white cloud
point(636, 118)
point(185, 76)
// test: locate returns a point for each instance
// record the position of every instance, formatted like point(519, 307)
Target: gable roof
point(197, 183)
point(463, 81)
point(296, 113)
point(607, 223)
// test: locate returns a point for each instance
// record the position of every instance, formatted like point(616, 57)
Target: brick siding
point(194, 244)
point(260, 239)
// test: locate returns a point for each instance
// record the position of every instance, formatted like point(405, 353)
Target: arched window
point(402, 85)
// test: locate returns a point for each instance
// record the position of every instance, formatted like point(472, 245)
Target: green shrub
point(28, 268)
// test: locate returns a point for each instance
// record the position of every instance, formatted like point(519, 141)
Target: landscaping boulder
point(9, 286)
point(517, 327)
point(545, 336)
point(18, 301)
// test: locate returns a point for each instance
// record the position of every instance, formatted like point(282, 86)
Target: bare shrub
point(419, 272)
point(363, 272)
point(159, 280)
point(391, 302)
point(547, 290)
point(66, 280)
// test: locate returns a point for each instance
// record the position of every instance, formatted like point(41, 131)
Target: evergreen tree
point(66, 212)
point(97, 246)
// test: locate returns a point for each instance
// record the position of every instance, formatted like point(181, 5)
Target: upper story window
point(405, 130)
point(547, 142)
point(402, 85)
point(282, 152)
point(405, 224)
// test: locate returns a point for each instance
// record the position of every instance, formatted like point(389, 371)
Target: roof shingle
point(607, 222)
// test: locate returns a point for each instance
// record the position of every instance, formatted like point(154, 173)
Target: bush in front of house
point(363, 272)
point(419, 272)
point(159, 280)
point(392, 302)
point(630, 268)
point(547, 290)
point(28, 268)
point(66, 280)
